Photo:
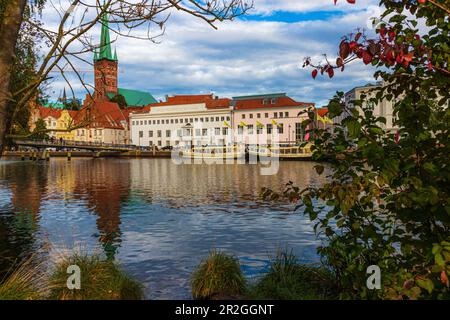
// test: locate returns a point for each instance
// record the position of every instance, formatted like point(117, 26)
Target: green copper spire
point(115, 54)
point(95, 55)
point(105, 42)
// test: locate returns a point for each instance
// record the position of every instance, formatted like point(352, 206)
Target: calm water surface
point(156, 218)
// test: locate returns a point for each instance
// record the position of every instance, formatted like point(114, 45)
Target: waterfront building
point(103, 122)
point(200, 120)
point(50, 117)
point(382, 109)
point(269, 119)
point(66, 121)
point(183, 120)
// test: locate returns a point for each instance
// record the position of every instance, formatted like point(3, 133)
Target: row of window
point(260, 130)
point(186, 132)
point(51, 124)
point(266, 115)
point(208, 119)
point(176, 121)
point(95, 132)
point(217, 131)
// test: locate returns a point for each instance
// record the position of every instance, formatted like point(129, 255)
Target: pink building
point(268, 119)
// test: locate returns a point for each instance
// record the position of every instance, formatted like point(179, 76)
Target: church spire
point(105, 42)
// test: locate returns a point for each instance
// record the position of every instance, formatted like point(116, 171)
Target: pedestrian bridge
point(80, 145)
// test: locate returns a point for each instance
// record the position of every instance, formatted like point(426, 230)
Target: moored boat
point(296, 152)
point(215, 152)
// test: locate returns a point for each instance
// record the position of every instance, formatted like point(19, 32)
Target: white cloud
point(242, 57)
point(268, 6)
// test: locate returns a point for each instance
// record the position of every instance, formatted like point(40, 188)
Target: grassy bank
point(289, 280)
point(25, 282)
point(220, 276)
point(100, 280)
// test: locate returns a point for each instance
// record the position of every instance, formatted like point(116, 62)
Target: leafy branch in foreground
point(387, 199)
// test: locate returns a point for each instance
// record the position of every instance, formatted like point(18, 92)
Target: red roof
point(209, 99)
point(322, 111)
point(102, 114)
point(49, 112)
point(280, 102)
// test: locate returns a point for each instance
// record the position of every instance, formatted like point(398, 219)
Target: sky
point(259, 53)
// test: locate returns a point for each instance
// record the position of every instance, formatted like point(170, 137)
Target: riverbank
point(79, 276)
point(86, 154)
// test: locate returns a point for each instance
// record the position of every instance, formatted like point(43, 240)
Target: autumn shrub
point(387, 199)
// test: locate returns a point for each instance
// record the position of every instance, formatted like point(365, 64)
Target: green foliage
point(218, 276)
point(388, 203)
point(289, 280)
point(100, 280)
point(39, 132)
point(120, 100)
point(72, 104)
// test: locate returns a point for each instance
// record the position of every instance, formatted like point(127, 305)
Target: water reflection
point(156, 218)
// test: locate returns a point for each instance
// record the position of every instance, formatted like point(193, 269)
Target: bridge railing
point(71, 143)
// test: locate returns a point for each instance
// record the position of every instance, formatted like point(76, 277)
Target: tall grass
point(100, 280)
point(289, 280)
point(218, 276)
point(26, 282)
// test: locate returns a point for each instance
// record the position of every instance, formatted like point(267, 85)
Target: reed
point(100, 280)
point(219, 276)
point(26, 282)
point(287, 279)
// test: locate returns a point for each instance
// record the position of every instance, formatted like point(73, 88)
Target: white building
point(183, 120)
point(382, 109)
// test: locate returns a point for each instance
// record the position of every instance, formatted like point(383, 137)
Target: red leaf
point(444, 278)
point(314, 73)
point(330, 72)
point(344, 50)
point(367, 57)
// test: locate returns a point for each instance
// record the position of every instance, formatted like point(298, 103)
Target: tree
point(23, 72)
point(387, 199)
point(70, 40)
point(72, 104)
point(120, 100)
point(40, 131)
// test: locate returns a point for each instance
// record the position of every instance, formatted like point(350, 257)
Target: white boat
point(282, 152)
point(215, 152)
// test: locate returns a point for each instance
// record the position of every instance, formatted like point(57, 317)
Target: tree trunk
point(9, 31)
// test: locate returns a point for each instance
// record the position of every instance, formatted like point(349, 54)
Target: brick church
point(104, 115)
point(106, 75)
point(108, 119)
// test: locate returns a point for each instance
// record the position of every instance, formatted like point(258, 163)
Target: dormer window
point(265, 101)
point(273, 101)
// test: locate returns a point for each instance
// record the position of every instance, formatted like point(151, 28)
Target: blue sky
point(258, 53)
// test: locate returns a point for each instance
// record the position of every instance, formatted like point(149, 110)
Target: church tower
point(105, 66)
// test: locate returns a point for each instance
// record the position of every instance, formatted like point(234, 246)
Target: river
point(156, 218)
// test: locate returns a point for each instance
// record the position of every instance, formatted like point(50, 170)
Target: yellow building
point(64, 122)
